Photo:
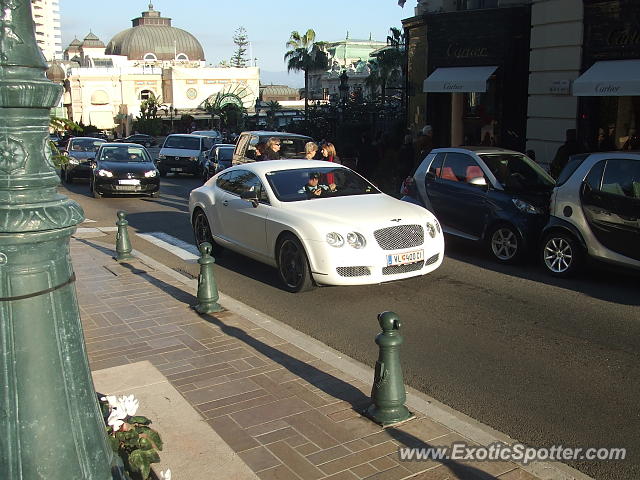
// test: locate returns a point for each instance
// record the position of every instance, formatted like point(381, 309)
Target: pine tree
point(241, 40)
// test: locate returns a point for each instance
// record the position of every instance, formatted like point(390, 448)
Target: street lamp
point(50, 422)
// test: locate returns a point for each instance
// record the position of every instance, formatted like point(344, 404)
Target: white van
point(184, 153)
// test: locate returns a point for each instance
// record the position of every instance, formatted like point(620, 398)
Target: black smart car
point(123, 168)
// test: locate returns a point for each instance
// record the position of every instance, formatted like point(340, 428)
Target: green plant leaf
point(144, 443)
point(139, 419)
point(155, 438)
point(137, 461)
point(115, 444)
point(151, 456)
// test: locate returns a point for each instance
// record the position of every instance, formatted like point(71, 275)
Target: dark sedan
point(140, 139)
point(78, 154)
point(218, 159)
point(124, 168)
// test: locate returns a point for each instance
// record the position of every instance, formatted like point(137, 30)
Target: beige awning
point(458, 79)
point(614, 78)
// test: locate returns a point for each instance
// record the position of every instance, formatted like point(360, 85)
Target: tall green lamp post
point(50, 424)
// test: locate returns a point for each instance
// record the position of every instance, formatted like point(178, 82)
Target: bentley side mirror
point(250, 197)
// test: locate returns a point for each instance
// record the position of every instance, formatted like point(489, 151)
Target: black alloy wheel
point(202, 233)
point(505, 244)
point(293, 265)
point(561, 254)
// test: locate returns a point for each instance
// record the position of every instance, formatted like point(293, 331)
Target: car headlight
point(73, 161)
point(335, 239)
point(356, 240)
point(193, 159)
point(162, 157)
point(431, 229)
point(105, 173)
point(151, 173)
point(525, 206)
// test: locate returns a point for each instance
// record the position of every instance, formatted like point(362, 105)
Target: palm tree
point(305, 54)
point(388, 64)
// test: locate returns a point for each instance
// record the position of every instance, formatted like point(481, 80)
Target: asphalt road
point(546, 361)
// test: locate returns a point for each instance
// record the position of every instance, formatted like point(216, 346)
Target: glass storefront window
point(618, 123)
point(480, 114)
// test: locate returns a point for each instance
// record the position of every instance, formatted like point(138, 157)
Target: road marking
point(88, 220)
point(96, 229)
point(180, 249)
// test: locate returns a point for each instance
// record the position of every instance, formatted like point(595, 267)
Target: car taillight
point(408, 187)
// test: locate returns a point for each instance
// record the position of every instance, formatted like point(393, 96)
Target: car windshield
point(85, 145)
point(291, 147)
point(294, 185)
point(184, 142)
point(517, 173)
point(572, 165)
point(225, 153)
point(123, 154)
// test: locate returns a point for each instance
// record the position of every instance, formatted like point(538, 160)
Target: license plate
point(405, 258)
point(176, 169)
point(127, 188)
point(129, 182)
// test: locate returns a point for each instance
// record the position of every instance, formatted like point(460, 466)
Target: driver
point(315, 189)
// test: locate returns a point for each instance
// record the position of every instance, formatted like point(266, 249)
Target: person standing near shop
point(568, 148)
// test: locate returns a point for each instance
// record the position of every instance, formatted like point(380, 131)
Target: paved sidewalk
point(285, 412)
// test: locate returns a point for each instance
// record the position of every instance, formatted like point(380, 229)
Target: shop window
point(618, 125)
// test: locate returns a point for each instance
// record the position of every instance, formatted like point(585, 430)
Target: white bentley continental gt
point(316, 222)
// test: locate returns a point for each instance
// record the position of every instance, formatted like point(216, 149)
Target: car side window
point(251, 148)
point(622, 178)
point(242, 145)
point(224, 180)
point(436, 166)
point(241, 181)
point(593, 180)
point(208, 143)
point(459, 167)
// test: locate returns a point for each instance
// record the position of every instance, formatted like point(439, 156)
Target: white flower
point(166, 475)
point(115, 423)
point(112, 400)
point(129, 404)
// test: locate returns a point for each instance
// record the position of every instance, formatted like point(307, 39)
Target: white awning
point(615, 78)
point(458, 79)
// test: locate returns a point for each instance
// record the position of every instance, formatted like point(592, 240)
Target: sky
point(268, 23)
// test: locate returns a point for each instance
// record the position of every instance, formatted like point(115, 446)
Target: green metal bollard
point(51, 426)
point(388, 392)
point(207, 288)
point(123, 244)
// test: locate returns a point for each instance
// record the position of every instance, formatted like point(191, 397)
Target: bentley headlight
point(431, 229)
point(105, 173)
point(151, 173)
point(356, 240)
point(525, 206)
point(335, 239)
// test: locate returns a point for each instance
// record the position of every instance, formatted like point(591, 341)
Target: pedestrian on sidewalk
point(423, 145)
point(568, 148)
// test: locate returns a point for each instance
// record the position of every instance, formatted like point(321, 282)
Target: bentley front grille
point(402, 236)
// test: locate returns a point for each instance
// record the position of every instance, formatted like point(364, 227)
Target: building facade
point(46, 17)
point(105, 84)
point(582, 72)
point(347, 55)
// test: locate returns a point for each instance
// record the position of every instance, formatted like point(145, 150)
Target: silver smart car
point(595, 212)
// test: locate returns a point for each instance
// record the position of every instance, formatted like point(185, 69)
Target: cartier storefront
point(609, 87)
point(476, 76)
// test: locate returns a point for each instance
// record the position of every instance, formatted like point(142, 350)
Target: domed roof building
point(105, 85)
point(153, 38)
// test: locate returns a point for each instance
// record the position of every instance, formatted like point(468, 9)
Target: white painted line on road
point(174, 245)
point(88, 220)
point(108, 229)
point(87, 230)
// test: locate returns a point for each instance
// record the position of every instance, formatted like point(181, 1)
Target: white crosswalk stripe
point(179, 248)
